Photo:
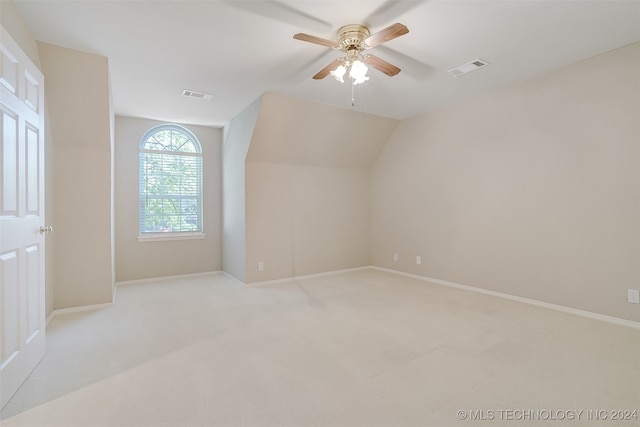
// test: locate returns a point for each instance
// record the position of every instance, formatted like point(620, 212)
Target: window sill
point(157, 237)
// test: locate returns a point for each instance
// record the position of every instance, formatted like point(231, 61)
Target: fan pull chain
point(353, 97)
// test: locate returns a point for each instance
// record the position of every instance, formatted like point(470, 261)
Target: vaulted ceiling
point(238, 50)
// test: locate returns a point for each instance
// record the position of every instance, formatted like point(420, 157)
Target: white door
point(22, 312)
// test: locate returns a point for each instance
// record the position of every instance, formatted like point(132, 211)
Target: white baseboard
point(556, 307)
point(306, 276)
point(233, 278)
point(50, 317)
point(62, 311)
point(157, 279)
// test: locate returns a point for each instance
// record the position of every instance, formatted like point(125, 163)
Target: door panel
point(10, 297)
point(32, 170)
point(22, 315)
point(8, 70)
point(32, 92)
point(34, 315)
point(9, 163)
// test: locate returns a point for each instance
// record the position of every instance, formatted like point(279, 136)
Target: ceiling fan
point(353, 39)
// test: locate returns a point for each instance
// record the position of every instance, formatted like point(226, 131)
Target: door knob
point(45, 230)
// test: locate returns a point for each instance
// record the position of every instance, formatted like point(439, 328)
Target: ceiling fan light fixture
point(339, 73)
point(358, 72)
point(353, 39)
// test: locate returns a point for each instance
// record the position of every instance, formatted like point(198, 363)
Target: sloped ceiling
point(238, 50)
point(294, 131)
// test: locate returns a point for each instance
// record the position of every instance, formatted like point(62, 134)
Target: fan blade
point(326, 70)
point(317, 40)
point(389, 33)
point(381, 65)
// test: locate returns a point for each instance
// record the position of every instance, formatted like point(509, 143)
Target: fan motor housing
point(352, 37)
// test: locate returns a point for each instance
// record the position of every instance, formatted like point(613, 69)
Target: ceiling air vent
point(468, 67)
point(198, 95)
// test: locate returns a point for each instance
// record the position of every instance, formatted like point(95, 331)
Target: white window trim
point(158, 237)
point(162, 236)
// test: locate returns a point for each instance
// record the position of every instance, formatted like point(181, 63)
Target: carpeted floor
point(360, 348)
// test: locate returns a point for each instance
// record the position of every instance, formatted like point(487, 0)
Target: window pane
point(170, 183)
point(170, 140)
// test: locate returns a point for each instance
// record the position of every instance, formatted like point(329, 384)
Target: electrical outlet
point(418, 260)
point(395, 257)
point(633, 296)
point(261, 266)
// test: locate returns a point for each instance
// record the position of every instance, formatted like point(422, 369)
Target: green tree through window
point(170, 181)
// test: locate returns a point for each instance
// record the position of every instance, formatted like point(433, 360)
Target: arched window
point(170, 181)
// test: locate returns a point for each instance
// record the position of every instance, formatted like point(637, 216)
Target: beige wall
point(308, 187)
point(237, 138)
point(299, 132)
point(141, 260)
point(77, 93)
point(305, 219)
point(531, 190)
point(12, 21)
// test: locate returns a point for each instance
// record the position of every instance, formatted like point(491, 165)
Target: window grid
point(170, 181)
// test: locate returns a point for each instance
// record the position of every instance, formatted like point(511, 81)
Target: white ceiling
point(237, 50)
